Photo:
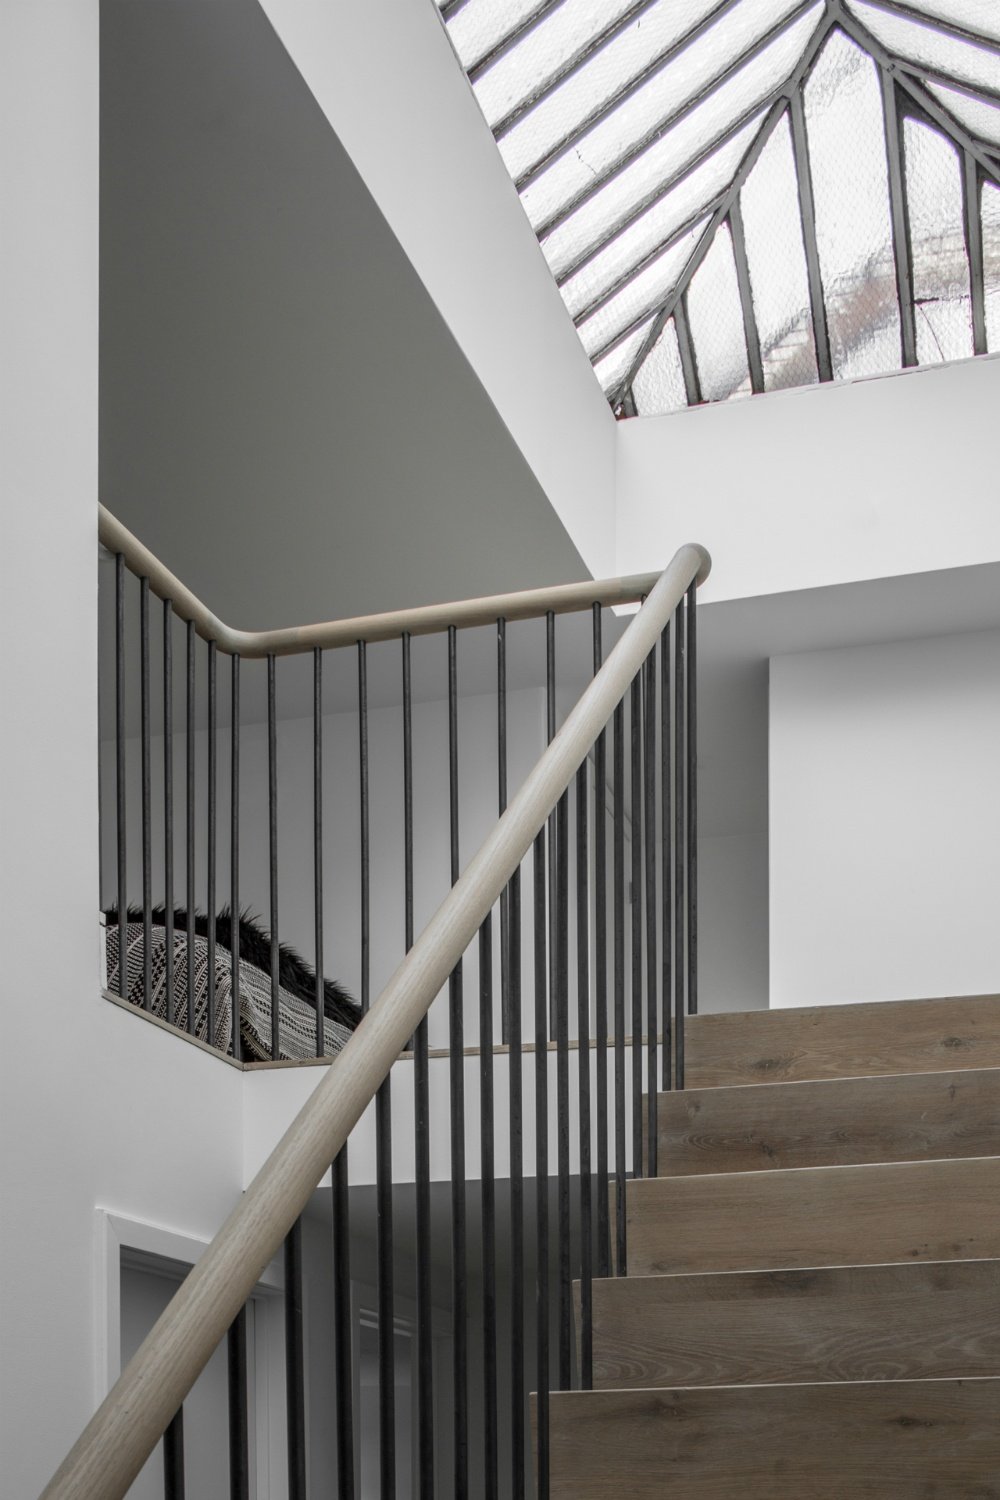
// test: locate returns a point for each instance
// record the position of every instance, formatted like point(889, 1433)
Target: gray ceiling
point(285, 418)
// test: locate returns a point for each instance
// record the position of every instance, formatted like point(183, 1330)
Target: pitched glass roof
point(744, 195)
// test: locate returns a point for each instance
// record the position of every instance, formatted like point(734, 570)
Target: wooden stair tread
point(909, 1440)
point(853, 1323)
point(814, 1216)
point(835, 1122)
point(843, 1041)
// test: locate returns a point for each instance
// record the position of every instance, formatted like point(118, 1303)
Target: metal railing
point(615, 885)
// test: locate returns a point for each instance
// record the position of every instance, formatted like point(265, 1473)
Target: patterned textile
point(296, 1019)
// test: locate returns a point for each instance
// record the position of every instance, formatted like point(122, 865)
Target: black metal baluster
point(601, 975)
point(489, 1227)
point(272, 845)
point(147, 803)
point(666, 862)
point(342, 1325)
point(652, 973)
point(295, 1403)
point(692, 799)
point(239, 1435)
point(168, 807)
point(583, 1049)
point(456, 1046)
point(679, 898)
point(364, 816)
point(173, 1458)
point(320, 993)
point(558, 906)
point(120, 782)
point(421, 1122)
point(541, 1165)
point(190, 811)
point(234, 854)
point(211, 872)
point(621, 1262)
point(635, 894)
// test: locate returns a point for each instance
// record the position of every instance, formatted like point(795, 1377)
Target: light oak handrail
point(428, 619)
point(126, 1427)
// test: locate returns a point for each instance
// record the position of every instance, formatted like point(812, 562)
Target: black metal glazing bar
point(212, 851)
point(685, 345)
point(635, 908)
point(295, 1395)
point(272, 831)
point(583, 1055)
point(901, 247)
point(168, 806)
point(190, 810)
point(807, 211)
point(691, 751)
point(649, 852)
point(120, 775)
point(489, 1224)
point(320, 993)
point(601, 974)
point(173, 1458)
point(680, 907)
point(972, 188)
point(621, 1262)
point(938, 23)
point(666, 862)
point(364, 815)
point(239, 1435)
point(754, 360)
point(501, 808)
point(456, 1062)
point(234, 850)
point(147, 801)
point(421, 1129)
point(541, 1166)
point(343, 1326)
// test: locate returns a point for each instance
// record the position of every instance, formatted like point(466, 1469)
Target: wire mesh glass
point(715, 318)
point(659, 223)
point(980, 16)
point(847, 154)
point(979, 118)
point(991, 263)
point(641, 117)
point(647, 292)
point(477, 27)
point(776, 260)
point(919, 43)
point(615, 365)
point(942, 298)
point(659, 383)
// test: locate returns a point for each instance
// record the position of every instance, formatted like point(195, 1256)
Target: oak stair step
point(835, 1122)
point(814, 1216)
point(842, 1041)
point(853, 1323)
point(905, 1440)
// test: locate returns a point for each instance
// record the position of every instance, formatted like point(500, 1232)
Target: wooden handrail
point(428, 619)
point(126, 1427)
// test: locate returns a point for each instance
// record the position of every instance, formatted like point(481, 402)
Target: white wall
point(388, 81)
point(885, 821)
point(827, 485)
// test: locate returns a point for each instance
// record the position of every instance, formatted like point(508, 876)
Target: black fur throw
point(294, 974)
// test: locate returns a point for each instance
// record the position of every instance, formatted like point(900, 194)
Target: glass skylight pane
point(615, 365)
point(772, 228)
point(716, 321)
point(981, 16)
point(657, 224)
point(923, 44)
point(978, 117)
point(991, 264)
point(941, 293)
point(609, 70)
point(536, 59)
point(480, 24)
point(648, 291)
point(659, 384)
point(848, 156)
point(678, 146)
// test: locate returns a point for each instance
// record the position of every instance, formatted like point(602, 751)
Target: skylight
point(738, 196)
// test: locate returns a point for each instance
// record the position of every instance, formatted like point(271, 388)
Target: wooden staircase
point(812, 1310)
